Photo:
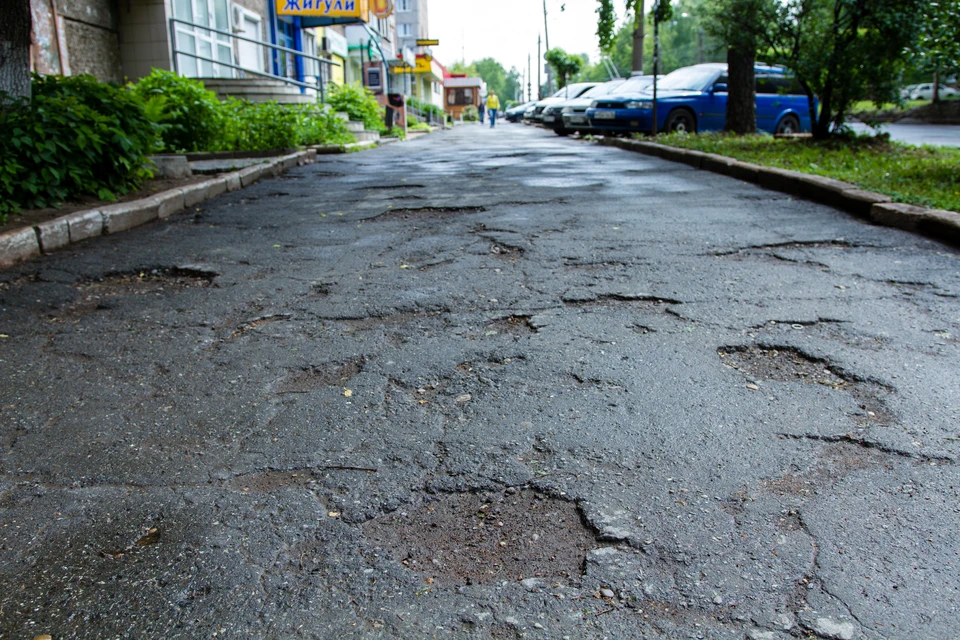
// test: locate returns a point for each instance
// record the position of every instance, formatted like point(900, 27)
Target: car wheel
point(681, 121)
point(789, 124)
point(562, 132)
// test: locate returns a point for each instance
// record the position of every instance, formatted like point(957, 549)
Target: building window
point(373, 78)
point(460, 97)
point(404, 30)
point(404, 5)
point(202, 42)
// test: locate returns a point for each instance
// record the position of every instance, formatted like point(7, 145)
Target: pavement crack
point(869, 444)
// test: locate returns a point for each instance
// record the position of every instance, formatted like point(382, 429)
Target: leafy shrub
point(250, 126)
point(471, 113)
point(359, 103)
point(396, 132)
point(320, 125)
point(420, 126)
point(426, 108)
point(193, 120)
point(77, 136)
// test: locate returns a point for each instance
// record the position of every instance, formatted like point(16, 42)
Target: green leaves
point(77, 136)
point(191, 115)
point(359, 103)
point(564, 64)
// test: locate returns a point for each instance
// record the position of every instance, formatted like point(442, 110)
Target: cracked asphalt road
point(620, 398)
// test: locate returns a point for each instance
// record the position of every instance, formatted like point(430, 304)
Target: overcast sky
point(507, 30)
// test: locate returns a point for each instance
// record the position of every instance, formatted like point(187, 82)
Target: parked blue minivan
point(694, 99)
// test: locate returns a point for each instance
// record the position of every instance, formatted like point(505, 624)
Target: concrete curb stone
point(127, 215)
point(17, 245)
point(876, 207)
point(31, 242)
point(84, 225)
point(53, 234)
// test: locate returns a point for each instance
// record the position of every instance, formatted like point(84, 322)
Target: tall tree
point(843, 51)
point(564, 65)
point(740, 24)
point(937, 49)
point(607, 29)
point(15, 47)
point(637, 10)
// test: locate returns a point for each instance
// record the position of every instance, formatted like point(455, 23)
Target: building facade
point(124, 40)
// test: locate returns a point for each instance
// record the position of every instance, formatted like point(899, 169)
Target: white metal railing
point(318, 87)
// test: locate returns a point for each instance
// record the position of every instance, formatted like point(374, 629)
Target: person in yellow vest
point(493, 104)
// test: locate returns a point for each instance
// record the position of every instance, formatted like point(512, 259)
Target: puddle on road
point(562, 183)
point(485, 538)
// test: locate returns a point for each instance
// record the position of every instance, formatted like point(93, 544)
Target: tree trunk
point(638, 38)
point(15, 47)
point(742, 95)
point(936, 85)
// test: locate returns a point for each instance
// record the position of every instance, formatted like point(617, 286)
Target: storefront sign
point(382, 8)
point(324, 8)
point(428, 43)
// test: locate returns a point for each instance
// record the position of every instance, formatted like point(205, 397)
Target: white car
point(925, 92)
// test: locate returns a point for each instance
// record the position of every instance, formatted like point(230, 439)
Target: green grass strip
point(927, 176)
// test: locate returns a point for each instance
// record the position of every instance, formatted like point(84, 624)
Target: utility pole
point(539, 66)
point(546, 37)
point(529, 78)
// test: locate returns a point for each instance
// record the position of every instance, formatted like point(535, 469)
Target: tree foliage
point(564, 65)
point(505, 84)
point(937, 49)
point(843, 51)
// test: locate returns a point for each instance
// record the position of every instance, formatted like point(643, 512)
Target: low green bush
point(396, 132)
point(193, 118)
point(420, 126)
point(359, 103)
point(471, 114)
point(320, 125)
point(257, 126)
point(426, 108)
point(77, 136)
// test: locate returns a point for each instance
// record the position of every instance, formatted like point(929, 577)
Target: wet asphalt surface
point(490, 384)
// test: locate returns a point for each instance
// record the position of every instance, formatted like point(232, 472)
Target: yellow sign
point(382, 8)
point(323, 8)
point(428, 43)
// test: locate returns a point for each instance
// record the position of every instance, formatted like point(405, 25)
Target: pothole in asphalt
point(486, 538)
point(102, 293)
point(331, 374)
point(514, 325)
point(786, 364)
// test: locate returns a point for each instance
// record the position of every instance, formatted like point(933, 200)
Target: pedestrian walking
point(493, 104)
point(481, 109)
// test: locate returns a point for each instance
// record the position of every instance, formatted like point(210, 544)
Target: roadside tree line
point(840, 51)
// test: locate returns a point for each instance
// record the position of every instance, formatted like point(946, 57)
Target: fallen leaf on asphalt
point(333, 514)
point(404, 266)
point(152, 537)
point(753, 387)
point(4, 336)
point(464, 398)
point(277, 246)
point(44, 637)
point(347, 393)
